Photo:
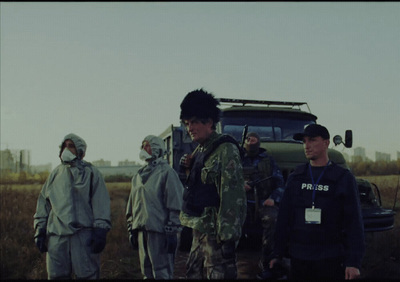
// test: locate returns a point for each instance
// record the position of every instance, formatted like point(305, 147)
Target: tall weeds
point(382, 259)
point(19, 257)
point(18, 254)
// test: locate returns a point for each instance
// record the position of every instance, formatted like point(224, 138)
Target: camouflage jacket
point(223, 168)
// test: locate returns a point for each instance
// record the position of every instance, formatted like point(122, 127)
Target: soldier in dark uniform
point(264, 187)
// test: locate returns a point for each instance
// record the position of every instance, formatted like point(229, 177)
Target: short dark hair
point(200, 104)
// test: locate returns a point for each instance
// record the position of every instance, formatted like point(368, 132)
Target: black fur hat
point(200, 104)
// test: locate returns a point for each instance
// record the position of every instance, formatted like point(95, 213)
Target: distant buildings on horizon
point(20, 160)
point(359, 154)
point(125, 167)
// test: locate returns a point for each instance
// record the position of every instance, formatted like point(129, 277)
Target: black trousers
point(326, 269)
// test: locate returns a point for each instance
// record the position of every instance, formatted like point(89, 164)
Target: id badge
point(313, 216)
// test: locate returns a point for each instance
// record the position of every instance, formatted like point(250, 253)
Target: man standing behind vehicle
point(73, 215)
point(214, 201)
point(264, 189)
point(320, 215)
point(152, 212)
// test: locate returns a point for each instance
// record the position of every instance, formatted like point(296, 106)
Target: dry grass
point(382, 259)
point(18, 256)
point(20, 259)
point(387, 185)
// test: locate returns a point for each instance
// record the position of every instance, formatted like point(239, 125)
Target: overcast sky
point(115, 72)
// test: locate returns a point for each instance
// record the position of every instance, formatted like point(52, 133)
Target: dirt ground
point(246, 264)
point(377, 264)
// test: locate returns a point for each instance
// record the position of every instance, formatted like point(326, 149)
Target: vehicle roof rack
point(262, 102)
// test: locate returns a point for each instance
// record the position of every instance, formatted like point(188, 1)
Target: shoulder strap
point(224, 139)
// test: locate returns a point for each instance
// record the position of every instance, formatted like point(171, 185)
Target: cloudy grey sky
point(114, 72)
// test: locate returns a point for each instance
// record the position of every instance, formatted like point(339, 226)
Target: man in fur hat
point(214, 201)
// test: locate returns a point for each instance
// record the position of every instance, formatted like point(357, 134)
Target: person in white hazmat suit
point(152, 211)
point(73, 215)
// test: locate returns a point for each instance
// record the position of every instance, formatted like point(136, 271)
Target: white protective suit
point(155, 200)
point(73, 202)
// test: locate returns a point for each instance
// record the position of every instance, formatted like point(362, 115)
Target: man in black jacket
point(320, 215)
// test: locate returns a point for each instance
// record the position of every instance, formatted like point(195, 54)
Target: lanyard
point(315, 184)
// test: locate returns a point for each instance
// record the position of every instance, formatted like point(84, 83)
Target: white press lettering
point(309, 186)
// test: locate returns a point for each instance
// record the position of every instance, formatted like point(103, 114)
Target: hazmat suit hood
point(79, 143)
point(157, 146)
point(157, 152)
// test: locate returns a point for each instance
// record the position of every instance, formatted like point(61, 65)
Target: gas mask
point(67, 155)
point(144, 156)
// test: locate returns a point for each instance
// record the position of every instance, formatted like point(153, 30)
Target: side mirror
point(348, 139)
point(337, 139)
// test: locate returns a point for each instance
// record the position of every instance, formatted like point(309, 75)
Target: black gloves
point(228, 249)
point(133, 238)
point(40, 239)
point(98, 240)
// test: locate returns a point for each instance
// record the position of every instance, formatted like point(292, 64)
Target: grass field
point(20, 259)
point(382, 259)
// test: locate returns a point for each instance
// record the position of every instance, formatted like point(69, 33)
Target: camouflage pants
point(268, 219)
point(206, 255)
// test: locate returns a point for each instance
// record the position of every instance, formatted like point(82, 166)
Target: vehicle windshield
point(270, 129)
